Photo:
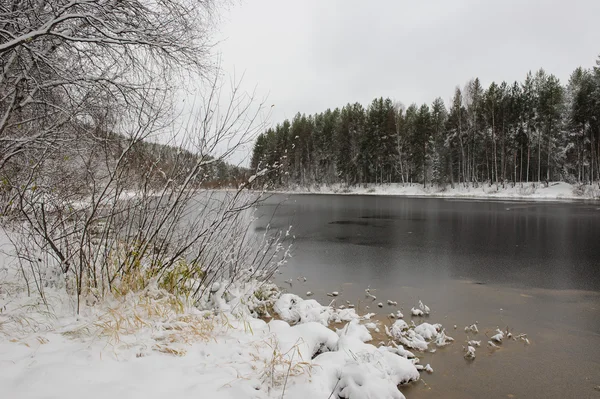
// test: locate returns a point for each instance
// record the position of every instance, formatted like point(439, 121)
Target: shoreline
point(555, 192)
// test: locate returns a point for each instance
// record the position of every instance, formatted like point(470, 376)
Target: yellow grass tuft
point(170, 350)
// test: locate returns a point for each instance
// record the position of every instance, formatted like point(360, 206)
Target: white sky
point(310, 55)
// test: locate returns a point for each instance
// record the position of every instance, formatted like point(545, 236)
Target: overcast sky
point(310, 55)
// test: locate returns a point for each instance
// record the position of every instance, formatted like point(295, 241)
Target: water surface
point(532, 267)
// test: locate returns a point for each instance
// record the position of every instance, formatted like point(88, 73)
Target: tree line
point(538, 130)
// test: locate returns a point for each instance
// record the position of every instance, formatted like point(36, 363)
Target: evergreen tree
point(534, 130)
point(439, 151)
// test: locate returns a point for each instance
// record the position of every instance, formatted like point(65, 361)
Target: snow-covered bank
point(525, 191)
point(151, 344)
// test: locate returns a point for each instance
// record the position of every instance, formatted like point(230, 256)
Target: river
point(531, 267)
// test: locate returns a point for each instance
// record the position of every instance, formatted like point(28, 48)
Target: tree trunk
point(521, 168)
point(495, 149)
point(548, 157)
point(515, 162)
point(528, 157)
point(540, 157)
point(487, 165)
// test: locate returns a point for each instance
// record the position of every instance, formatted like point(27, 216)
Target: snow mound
point(420, 336)
point(356, 330)
point(398, 328)
point(498, 337)
point(350, 368)
point(428, 331)
point(358, 370)
point(303, 340)
point(296, 310)
point(470, 353)
point(417, 312)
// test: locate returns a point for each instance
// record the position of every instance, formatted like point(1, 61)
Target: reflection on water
point(528, 266)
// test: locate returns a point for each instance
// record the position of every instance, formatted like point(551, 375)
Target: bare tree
point(85, 84)
point(171, 230)
point(63, 59)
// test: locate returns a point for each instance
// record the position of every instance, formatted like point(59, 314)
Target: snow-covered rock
point(398, 329)
point(420, 336)
point(428, 331)
point(417, 312)
point(442, 339)
point(424, 308)
point(470, 353)
point(293, 309)
point(359, 370)
point(498, 337)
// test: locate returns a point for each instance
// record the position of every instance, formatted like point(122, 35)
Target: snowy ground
point(527, 191)
point(144, 346)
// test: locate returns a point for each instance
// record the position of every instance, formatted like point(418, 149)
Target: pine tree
point(536, 129)
point(439, 152)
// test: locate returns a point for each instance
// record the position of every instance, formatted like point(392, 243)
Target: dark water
point(531, 267)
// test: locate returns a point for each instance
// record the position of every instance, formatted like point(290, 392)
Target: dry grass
point(25, 320)
point(169, 350)
point(277, 367)
point(155, 311)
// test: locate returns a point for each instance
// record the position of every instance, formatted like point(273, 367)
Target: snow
point(470, 353)
point(472, 328)
point(355, 330)
point(358, 370)
point(397, 328)
point(424, 308)
point(428, 331)
point(492, 345)
point(145, 346)
point(417, 312)
point(371, 326)
point(420, 336)
point(498, 337)
point(442, 339)
point(293, 309)
point(529, 191)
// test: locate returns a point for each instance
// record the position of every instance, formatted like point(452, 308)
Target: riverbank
point(146, 345)
point(152, 344)
point(525, 191)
